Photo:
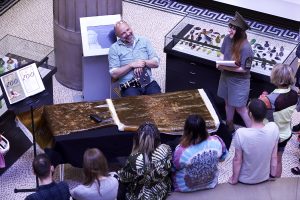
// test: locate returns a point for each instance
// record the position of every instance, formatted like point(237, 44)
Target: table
point(71, 131)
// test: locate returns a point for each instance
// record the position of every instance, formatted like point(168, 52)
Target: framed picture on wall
point(97, 34)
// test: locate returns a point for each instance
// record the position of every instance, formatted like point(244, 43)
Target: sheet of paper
point(229, 63)
point(31, 80)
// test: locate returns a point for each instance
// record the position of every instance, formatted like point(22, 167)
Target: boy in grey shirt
point(255, 158)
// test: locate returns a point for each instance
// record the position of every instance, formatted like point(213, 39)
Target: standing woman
point(147, 170)
point(234, 84)
point(98, 183)
point(282, 103)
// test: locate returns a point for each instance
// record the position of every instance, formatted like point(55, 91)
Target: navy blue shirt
point(52, 191)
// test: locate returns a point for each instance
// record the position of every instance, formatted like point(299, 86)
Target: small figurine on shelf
point(10, 61)
point(218, 39)
point(2, 66)
point(199, 38)
point(9, 67)
point(10, 64)
point(281, 49)
point(1, 62)
point(252, 41)
point(23, 62)
point(267, 44)
point(281, 53)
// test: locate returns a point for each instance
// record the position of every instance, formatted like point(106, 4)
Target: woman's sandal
point(295, 170)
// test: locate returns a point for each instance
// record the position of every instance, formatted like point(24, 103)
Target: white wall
point(289, 9)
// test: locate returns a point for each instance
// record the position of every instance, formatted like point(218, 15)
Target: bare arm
point(121, 71)
point(274, 161)
point(236, 166)
point(232, 69)
point(152, 63)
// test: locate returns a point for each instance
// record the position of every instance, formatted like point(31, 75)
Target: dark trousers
point(151, 88)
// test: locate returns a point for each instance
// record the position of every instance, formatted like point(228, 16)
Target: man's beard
point(129, 42)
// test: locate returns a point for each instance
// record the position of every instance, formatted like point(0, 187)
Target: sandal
point(295, 170)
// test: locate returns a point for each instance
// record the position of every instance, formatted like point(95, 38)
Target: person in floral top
point(147, 170)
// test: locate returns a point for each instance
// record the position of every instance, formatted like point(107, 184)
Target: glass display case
point(203, 38)
point(15, 52)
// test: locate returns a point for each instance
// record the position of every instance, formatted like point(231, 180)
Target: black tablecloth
point(113, 143)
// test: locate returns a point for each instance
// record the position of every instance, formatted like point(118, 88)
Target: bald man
point(130, 61)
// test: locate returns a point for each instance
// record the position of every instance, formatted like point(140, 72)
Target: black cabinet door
point(183, 74)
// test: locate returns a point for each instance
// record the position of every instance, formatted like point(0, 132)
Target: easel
point(34, 152)
point(22, 106)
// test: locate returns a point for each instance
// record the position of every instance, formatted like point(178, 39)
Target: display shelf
point(190, 61)
point(201, 38)
point(15, 52)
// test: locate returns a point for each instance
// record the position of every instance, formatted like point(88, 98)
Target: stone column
point(67, 37)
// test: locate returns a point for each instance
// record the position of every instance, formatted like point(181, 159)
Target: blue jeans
point(151, 88)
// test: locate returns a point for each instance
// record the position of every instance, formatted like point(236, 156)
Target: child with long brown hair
point(196, 157)
point(98, 183)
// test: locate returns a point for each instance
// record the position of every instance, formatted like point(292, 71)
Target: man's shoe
point(296, 128)
point(295, 170)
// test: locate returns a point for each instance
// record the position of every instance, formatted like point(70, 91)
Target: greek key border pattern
point(183, 9)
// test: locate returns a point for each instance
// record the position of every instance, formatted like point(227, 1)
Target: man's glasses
point(232, 27)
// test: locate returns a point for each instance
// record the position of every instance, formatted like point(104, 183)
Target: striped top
point(283, 102)
point(151, 181)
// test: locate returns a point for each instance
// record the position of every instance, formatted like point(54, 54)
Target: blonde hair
point(282, 75)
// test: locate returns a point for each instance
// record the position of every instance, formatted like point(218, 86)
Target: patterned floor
point(206, 14)
point(41, 30)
